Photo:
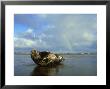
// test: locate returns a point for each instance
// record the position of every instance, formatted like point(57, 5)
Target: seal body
point(46, 58)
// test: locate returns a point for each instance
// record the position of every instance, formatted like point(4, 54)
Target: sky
point(56, 32)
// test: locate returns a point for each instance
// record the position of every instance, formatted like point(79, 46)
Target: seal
point(45, 58)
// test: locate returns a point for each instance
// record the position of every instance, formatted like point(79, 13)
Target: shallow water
point(74, 65)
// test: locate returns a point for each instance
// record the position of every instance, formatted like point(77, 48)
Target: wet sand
point(74, 65)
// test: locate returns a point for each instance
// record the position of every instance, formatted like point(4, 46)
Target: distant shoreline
point(19, 53)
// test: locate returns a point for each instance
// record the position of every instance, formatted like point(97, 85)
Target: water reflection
point(46, 71)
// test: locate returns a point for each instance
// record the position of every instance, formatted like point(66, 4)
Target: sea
point(73, 65)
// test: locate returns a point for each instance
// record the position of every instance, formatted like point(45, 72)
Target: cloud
point(59, 32)
point(42, 16)
point(29, 31)
point(22, 42)
point(30, 39)
point(88, 37)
